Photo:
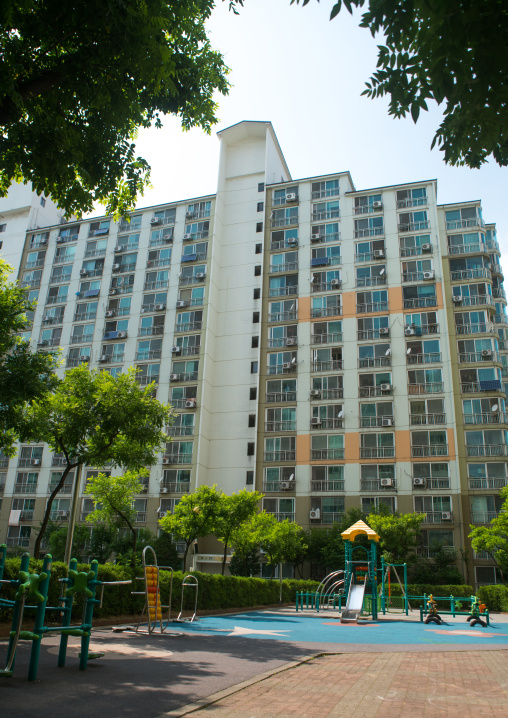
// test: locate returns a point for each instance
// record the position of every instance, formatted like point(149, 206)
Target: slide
point(354, 602)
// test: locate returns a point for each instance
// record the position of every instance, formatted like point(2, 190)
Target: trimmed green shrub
point(419, 589)
point(494, 597)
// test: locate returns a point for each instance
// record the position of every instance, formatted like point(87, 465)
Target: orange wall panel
point(304, 309)
point(303, 449)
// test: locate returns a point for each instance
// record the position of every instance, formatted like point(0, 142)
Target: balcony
point(427, 419)
point(498, 293)
point(282, 516)
point(329, 214)
point(370, 256)
point(188, 327)
point(326, 454)
point(25, 488)
point(122, 289)
point(379, 452)
point(36, 263)
point(373, 422)
point(285, 267)
point(284, 368)
point(477, 328)
point(56, 300)
point(371, 281)
point(411, 202)
point(22, 541)
point(193, 279)
point(436, 387)
point(491, 484)
point(115, 358)
point(487, 450)
point(422, 330)
point(375, 485)
point(323, 193)
point(57, 319)
point(437, 517)
point(372, 307)
point(365, 391)
point(270, 456)
point(476, 248)
point(369, 232)
point(334, 284)
point(283, 291)
point(175, 487)
point(328, 237)
point(474, 222)
point(4, 463)
point(417, 452)
point(429, 552)
point(479, 386)
point(81, 338)
point(483, 517)
point(180, 431)
point(466, 275)
point(63, 259)
point(415, 251)
point(374, 362)
point(284, 222)
point(31, 283)
point(432, 484)
point(90, 253)
point(501, 319)
point(414, 226)
point(493, 246)
point(478, 300)
point(66, 488)
point(283, 485)
point(281, 425)
point(146, 380)
point(329, 394)
point(328, 338)
point(430, 358)
point(189, 351)
point(332, 311)
point(280, 342)
point(57, 515)
point(283, 316)
point(328, 517)
point(53, 342)
point(151, 331)
point(83, 316)
point(420, 302)
point(326, 423)
point(478, 357)
point(323, 486)
point(485, 418)
point(280, 396)
point(164, 283)
point(334, 364)
point(187, 376)
point(165, 262)
point(177, 459)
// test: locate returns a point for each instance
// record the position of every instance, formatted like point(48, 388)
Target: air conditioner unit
point(446, 515)
point(486, 353)
point(293, 242)
point(284, 485)
point(409, 331)
point(63, 515)
point(109, 313)
point(167, 237)
point(83, 273)
point(103, 358)
point(200, 275)
point(59, 240)
point(84, 358)
point(418, 482)
point(315, 421)
point(315, 237)
point(384, 331)
point(162, 513)
point(385, 387)
point(425, 247)
point(119, 248)
point(160, 307)
point(182, 303)
point(379, 254)
point(155, 220)
point(36, 462)
point(174, 377)
point(291, 342)
point(286, 365)
point(429, 275)
point(116, 267)
point(315, 394)
point(190, 404)
point(377, 205)
point(386, 482)
point(335, 283)
point(164, 490)
point(189, 215)
point(386, 421)
point(45, 318)
point(42, 343)
point(166, 459)
point(315, 514)
point(187, 236)
point(121, 335)
point(176, 350)
point(291, 197)
point(457, 298)
point(43, 241)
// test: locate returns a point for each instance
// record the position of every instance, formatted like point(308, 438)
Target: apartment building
point(328, 346)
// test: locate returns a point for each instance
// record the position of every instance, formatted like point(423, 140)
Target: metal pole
point(74, 511)
point(280, 582)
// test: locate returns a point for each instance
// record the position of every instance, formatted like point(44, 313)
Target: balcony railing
point(477, 328)
point(415, 251)
point(483, 517)
point(25, 488)
point(328, 237)
point(282, 316)
point(367, 208)
point(476, 248)
point(146, 380)
point(365, 391)
point(328, 338)
point(181, 403)
point(430, 552)
point(186, 376)
point(122, 289)
point(493, 246)
point(332, 365)
point(327, 424)
point(431, 450)
point(286, 267)
point(372, 422)
point(36, 263)
point(337, 485)
point(282, 516)
point(178, 459)
point(284, 368)
point(487, 450)
point(56, 300)
point(280, 396)
point(364, 334)
point(420, 302)
point(369, 232)
point(428, 419)
point(478, 300)
point(464, 275)
point(411, 202)
point(480, 386)
point(281, 425)
point(95, 253)
point(330, 311)
point(490, 484)
point(370, 256)
point(374, 362)
point(279, 456)
point(151, 331)
point(372, 307)
point(500, 319)
point(81, 338)
point(66, 488)
point(321, 193)
point(435, 387)
point(375, 485)
point(414, 226)
point(284, 221)
point(165, 262)
point(188, 326)
point(287, 485)
point(180, 430)
point(429, 358)
point(465, 223)
point(23, 541)
point(331, 517)
point(476, 357)
point(332, 285)
point(437, 517)
point(329, 394)
point(57, 319)
point(379, 452)
point(283, 291)
point(194, 279)
point(279, 342)
point(31, 283)
point(433, 483)
point(175, 487)
point(330, 214)
point(371, 281)
point(498, 293)
point(324, 454)
point(163, 283)
point(83, 316)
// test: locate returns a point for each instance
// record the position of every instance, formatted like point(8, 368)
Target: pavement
point(272, 663)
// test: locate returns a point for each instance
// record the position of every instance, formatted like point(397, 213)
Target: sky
point(293, 67)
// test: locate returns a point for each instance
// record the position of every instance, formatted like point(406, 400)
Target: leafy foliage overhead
point(450, 51)
point(494, 538)
point(77, 80)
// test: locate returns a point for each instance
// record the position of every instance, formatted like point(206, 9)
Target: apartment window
point(255, 317)
point(373, 503)
point(249, 478)
point(255, 342)
point(254, 367)
point(252, 421)
point(253, 393)
point(261, 186)
point(257, 293)
point(257, 270)
point(259, 226)
point(3, 227)
point(251, 448)
point(259, 248)
point(261, 206)
point(43, 202)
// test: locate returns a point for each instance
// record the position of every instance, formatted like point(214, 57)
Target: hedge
point(494, 597)
point(215, 591)
point(419, 589)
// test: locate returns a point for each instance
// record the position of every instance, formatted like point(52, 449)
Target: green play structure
point(32, 594)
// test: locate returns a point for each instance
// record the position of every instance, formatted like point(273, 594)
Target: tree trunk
point(224, 557)
point(45, 521)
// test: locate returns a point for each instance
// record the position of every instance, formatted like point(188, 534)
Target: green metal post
point(3, 554)
point(39, 620)
point(25, 561)
point(87, 626)
point(66, 620)
point(373, 573)
point(383, 594)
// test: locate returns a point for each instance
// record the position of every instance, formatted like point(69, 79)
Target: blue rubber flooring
point(324, 629)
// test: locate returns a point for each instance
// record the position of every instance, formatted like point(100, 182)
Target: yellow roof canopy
point(360, 527)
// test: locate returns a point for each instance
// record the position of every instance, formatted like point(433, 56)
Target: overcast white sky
point(290, 65)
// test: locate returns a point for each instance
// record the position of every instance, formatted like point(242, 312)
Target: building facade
point(328, 346)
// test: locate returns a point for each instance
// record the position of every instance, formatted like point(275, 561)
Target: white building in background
point(329, 346)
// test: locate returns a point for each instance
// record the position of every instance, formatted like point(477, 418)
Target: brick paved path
point(462, 684)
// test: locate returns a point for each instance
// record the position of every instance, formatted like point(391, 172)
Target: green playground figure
point(477, 609)
point(433, 616)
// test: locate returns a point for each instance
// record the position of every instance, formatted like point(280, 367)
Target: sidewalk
point(464, 684)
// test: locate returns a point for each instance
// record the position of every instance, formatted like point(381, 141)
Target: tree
point(78, 79)
point(93, 418)
point(113, 499)
point(283, 542)
point(194, 516)
point(398, 533)
point(24, 375)
point(166, 551)
point(56, 537)
point(233, 511)
point(494, 538)
point(449, 51)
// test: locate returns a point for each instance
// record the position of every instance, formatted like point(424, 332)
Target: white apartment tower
point(328, 346)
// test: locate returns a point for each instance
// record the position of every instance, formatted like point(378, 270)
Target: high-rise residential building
point(328, 346)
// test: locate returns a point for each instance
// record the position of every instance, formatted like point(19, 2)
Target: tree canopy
point(398, 533)
point(78, 79)
point(494, 538)
point(93, 418)
point(24, 375)
point(450, 51)
point(233, 511)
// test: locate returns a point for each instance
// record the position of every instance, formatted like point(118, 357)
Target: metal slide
point(354, 603)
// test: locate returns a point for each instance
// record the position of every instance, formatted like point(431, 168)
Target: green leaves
point(494, 538)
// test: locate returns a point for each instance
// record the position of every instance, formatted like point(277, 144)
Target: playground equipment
point(477, 615)
point(190, 582)
point(360, 573)
point(34, 587)
point(153, 606)
point(389, 602)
